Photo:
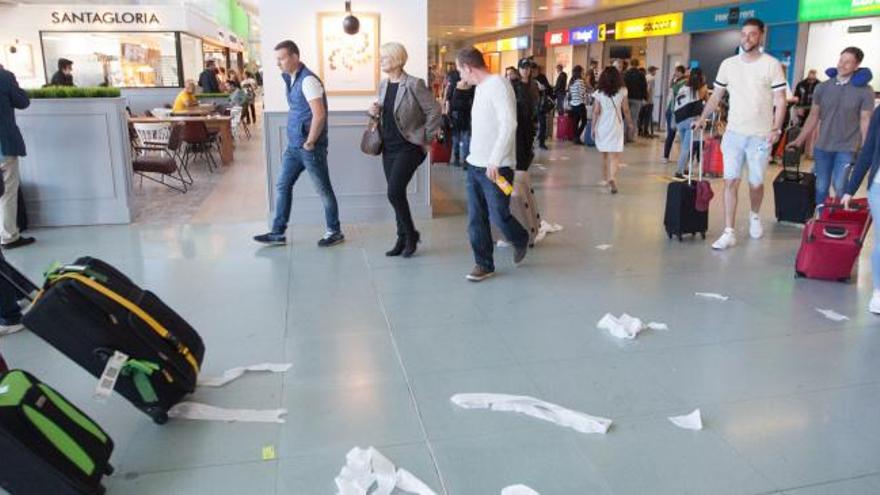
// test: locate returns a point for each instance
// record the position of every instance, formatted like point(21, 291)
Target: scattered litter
point(235, 373)
point(711, 295)
point(367, 467)
point(503, 244)
point(692, 421)
point(604, 247)
point(832, 315)
point(205, 412)
point(535, 408)
point(269, 453)
point(627, 327)
point(518, 490)
point(547, 228)
point(540, 166)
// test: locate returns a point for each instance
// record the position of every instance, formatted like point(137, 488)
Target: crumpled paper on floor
point(205, 412)
point(518, 490)
point(547, 228)
point(832, 315)
point(604, 247)
point(235, 373)
point(365, 468)
point(535, 408)
point(712, 295)
point(627, 327)
point(692, 421)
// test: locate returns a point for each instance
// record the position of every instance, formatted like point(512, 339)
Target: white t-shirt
point(751, 86)
point(493, 124)
point(311, 87)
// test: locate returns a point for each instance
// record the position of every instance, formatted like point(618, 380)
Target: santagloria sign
point(104, 18)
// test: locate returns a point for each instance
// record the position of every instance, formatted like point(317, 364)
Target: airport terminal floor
point(789, 398)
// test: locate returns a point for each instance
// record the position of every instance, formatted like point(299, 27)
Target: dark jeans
point(461, 144)
point(670, 134)
point(400, 166)
point(295, 161)
point(646, 120)
point(542, 128)
point(486, 201)
point(579, 117)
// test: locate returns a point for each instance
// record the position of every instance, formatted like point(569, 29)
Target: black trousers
point(542, 128)
point(646, 118)
point(400, 165)
point(579, 115)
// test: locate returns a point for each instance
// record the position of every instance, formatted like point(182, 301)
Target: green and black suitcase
point(48, 446)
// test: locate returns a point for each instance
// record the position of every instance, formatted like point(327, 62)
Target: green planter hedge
point(212, 95)
point(73, 92)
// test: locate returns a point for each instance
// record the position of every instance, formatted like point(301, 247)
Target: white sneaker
point(503, 244)
point(664, 160)
point(874, 305)
point(756, 230)
point(10, 329)
point(727, 240)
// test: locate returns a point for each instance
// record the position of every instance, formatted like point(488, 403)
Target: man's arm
point(710, 107)
point(319, 118)
point(504, 105)
point(810, 125)
point(781, 107)
point(17, 96)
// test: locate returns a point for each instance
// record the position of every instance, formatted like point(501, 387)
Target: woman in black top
point(409, 117)
point(460, 104)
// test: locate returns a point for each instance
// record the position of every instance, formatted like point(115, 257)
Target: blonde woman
point(409, 117)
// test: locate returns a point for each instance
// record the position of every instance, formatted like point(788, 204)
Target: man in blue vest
point(306, 147)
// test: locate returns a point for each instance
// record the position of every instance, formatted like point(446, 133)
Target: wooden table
point(222, 124)
point(199, 111)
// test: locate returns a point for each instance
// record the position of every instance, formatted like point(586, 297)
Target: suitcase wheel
point(843, 280)
point(680, 238)
point(108, 470)
point(798, 274)
point(159, 417)
point(703, 235)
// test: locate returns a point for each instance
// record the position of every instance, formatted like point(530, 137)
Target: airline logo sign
point(584, 34)
point(660, 25)
point(556, 38)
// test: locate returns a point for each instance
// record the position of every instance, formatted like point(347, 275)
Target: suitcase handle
point(691, 159)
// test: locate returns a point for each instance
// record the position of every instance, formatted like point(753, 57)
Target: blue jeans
point(874, 202)
point(670, 134)
point(684, 129)
point(461, 144)
point(830, 169)
point(294, 162)
point(486, 201)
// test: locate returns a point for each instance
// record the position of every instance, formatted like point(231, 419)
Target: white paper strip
point(832, 315)
point(518, 490)
point(692, 421)
point(535, 408)
point(627, 327)
point(205, 412)
point(604, 247)
point(235, 373)
point(711, 295)
point(365, 468)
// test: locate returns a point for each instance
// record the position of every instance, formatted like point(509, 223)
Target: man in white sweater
point(492, 156)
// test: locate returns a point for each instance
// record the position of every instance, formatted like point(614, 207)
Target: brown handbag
point(371, 141)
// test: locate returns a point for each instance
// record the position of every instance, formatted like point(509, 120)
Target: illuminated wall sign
point(815, 10)
point(659, 25)
point(504, 45)
point(769, 11)
point(584, 34)
point(96, 17)
point(606, 32)
point(556, 38)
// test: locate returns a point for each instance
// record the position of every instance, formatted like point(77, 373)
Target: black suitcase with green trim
point(48, 446)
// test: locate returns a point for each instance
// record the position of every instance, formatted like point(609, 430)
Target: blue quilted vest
point(299, 119)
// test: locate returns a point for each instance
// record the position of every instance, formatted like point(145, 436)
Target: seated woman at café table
point(186, 99)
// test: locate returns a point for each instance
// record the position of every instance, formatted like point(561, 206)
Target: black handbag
point(692, 110)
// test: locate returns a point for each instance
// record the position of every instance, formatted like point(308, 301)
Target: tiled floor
point(790, 399)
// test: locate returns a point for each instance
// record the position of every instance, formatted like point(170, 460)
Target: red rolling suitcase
point(832, 241)
point(564, 128)
point(441, 151)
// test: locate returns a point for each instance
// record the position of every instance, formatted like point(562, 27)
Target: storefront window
point(191, 49)
point(139, 60)
point(216, 53)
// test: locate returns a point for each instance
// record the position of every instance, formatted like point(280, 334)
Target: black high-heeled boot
point(398, 247)
point(412, 243)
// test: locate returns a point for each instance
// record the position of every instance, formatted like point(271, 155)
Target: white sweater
point(493, 124)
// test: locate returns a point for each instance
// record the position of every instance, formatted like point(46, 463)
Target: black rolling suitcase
point(794, 191)
point(90, 311)
point(682, 216)
point(48, 445)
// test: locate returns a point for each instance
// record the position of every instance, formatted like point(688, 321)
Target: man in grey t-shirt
point(844, 107)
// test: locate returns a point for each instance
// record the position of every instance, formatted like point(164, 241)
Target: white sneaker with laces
point(756, 230)
point(727, 240)
point(874, 305)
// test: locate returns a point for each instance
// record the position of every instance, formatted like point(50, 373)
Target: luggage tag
point(107, 382)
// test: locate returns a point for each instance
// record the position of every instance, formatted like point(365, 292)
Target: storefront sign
point(660, 25)
point(556, 38)
point(504, 45)
point(94, 17)
point(584, 34)
point(815, 10)
point(769, 11)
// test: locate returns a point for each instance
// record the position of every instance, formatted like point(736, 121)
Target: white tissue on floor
point(604, 247)
point(692, 421)
point(535, 408)
point(365, 468)
point(518, 490)
point(832, 315)
point(627, 327)
point(235, 373)
point(547, 228)
point(711, 295)
point(205, 412)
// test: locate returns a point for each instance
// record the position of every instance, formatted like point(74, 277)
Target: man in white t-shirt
point(756, 85)
point(492, 158)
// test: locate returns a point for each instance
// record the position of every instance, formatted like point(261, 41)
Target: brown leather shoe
point(478, 274)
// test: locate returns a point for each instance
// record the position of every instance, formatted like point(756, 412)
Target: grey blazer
point(416, 111)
